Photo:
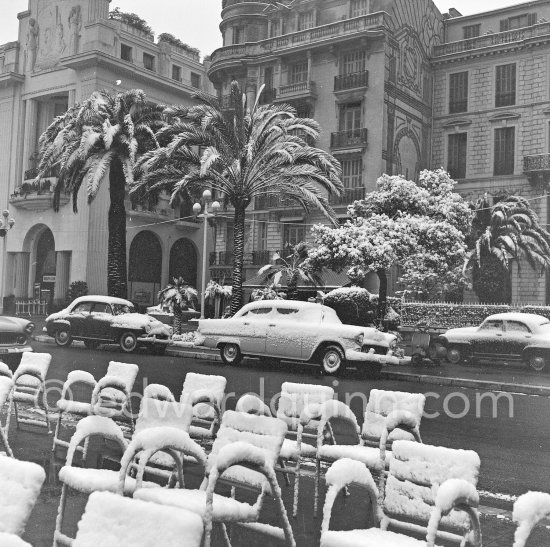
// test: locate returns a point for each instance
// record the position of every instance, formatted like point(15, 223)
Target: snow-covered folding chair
point(29, 388)
point(243, 455)
point(114, 520)
point(84, 479)
point(420, 504)
point(158, 391)
point(329, 451)
point(380, 405)
point(6, 385)
point(529, 510)
point(205, 392)
point(20, 484)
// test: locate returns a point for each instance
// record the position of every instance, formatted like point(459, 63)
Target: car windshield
point(119, 309)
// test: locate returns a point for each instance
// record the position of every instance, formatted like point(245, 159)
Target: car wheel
point(332, 360)
point(63, 337)
point(455, 355)
point(128, 342)
point(231, 354)
point(91, 344)
point(537, 361)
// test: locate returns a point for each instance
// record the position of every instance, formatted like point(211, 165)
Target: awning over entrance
point(330, 278)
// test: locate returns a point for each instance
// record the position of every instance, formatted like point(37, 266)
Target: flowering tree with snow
point(418, 227)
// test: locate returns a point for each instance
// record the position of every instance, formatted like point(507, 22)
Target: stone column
point(62, 274)
point(279, 73)
point(72, 97)
point(22, 262)
point(308, 67)
point(250, 95)
point(98, 9)
point(29, 142)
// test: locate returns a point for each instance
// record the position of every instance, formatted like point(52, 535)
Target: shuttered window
point(505, 85)
point(505, 138)
point(458, 92)
point(457, 155)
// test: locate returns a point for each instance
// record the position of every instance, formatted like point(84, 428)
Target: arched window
point(183, 261)
point(145, 258)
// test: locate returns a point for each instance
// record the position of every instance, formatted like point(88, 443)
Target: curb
point(485, 385)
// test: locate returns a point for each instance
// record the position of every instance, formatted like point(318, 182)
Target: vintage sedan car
point(297, 331)
point(15, 333)
point(105, 320)
point(505, 337)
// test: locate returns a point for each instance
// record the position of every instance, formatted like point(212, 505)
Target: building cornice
point(525, 6)
point(8, 79)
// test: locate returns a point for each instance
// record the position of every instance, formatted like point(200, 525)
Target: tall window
point(350, 117)
point(238, 35)
point(297, 73)
point(125, 52)
point(352, 173)
point(458, 92)
point(306, 20)
point(471, 31)
point(176, 73)
point(195, 80)
point(456, 155)
point(504, 151)
point(505, 87)
point(359, 7)
point(262, 236)
point(278, 27)
point(352, 62)
point(148, 61)
point(293, 234)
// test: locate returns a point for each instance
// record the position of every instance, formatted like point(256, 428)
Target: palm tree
point(508, 230)
point(249, 151)
point(103, 134)
point(178, 296)
point(293, 269)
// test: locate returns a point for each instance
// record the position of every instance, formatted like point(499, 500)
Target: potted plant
point(178, 297)
point(216, 293)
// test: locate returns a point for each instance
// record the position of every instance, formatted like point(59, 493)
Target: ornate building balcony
point(350, 195)
point(493, 40)
point(354, 138)
point(355, 80)
point(266, 203)
point(537, 168)
point(323, 35)
point(32, 196)
point(299, 90)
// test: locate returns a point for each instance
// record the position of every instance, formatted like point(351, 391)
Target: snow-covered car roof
point(101, 298)
point(530, 319)
point(287, 304)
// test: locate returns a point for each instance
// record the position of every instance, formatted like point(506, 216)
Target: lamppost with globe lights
point(209, 211)
point(6, 224)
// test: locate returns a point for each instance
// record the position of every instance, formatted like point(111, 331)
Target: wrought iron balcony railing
point(351, 81)
point(537, 163)
point(353, 137)
point(297, 88)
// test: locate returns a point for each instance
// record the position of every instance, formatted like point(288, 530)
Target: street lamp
point(6, 224)
point(205, 215)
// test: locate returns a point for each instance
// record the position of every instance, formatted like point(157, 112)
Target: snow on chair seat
point(158, 391)
point(380, 404)
point(29, 387)
point(452, 496)
point(529, 510)
point(85, 479)
point(113, 520)
point(6, 385)
point(11, 540)
point(205, 393)
point(20, 484)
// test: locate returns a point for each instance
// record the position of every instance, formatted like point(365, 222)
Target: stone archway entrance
point(45, 272)
point(183, 261)
point(145, 268)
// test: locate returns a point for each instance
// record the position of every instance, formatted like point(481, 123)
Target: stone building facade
point(66, 50)
point(398, 87)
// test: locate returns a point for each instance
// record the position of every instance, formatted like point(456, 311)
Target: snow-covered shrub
point(192, 338)
point(353, 305)
point(270, 292)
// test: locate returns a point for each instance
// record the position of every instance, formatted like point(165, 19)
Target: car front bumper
point(14, 350)
point(356, 356)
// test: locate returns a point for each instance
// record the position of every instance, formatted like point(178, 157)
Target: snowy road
point(514, 451)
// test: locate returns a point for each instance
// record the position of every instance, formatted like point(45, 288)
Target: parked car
point(15, 333)
point(297, 331)
point(105, 320)
point(506, 337)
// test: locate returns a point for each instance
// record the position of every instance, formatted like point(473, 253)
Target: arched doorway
point(145, 268)
point(44, 278)
point(183, 261)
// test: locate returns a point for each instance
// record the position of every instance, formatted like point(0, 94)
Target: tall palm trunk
point(382, 297)
point(116, 255)
point(238, 259)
